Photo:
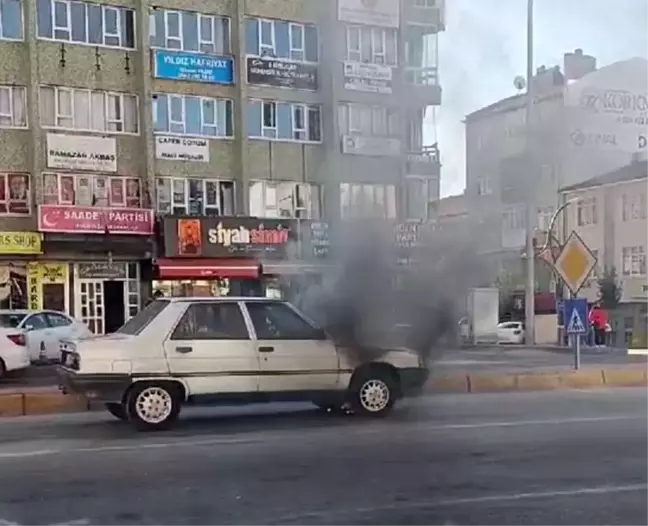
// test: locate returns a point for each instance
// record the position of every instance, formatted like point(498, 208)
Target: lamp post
point(529, 307)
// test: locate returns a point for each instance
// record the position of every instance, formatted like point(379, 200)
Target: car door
point(294, 355)
point(211, 350)
point(39, 338)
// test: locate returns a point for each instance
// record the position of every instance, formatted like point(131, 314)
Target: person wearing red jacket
point(598, 321)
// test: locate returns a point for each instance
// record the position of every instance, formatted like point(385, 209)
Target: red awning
point(207, 268)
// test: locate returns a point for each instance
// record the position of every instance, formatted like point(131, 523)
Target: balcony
point(430, 13)
point(422, 86)
point(424, 161)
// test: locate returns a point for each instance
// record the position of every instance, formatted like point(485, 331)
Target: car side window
point(211, 321)
point(36, 322)
point(276, 321)
point(57, 320)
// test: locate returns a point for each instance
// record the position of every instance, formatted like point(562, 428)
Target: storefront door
point(108, 294)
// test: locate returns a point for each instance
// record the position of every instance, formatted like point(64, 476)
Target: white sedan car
point(14, 356)
point(42, 331)
point(510, 332)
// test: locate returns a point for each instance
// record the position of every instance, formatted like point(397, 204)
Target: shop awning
point(206, 268)
point(283, 268)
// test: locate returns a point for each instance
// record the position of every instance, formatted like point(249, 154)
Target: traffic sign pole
point(577, 350)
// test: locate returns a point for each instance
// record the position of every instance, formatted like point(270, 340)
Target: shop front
point(17, 250)
point(237, 256)
point(103, 264)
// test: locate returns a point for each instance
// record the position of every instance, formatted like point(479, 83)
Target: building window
point(426, 3)
point(514, 219)
point(189, 31)
point(86, 23)
point(422, 194)
point(422, 55)
point(484, 186)
point(189, 115)
point(633, 206)
point(281, 39)
point(194, 197)
point(86, 110)
point(286, 121)
point(13, 107)
point(634, 261)
point(372, 45)
point(15, 194)
point(367, 201)
point(11, 20)
point(587, 211)
point(544, 218)
point(91, 190)
point(285, 199)
point(368, 121)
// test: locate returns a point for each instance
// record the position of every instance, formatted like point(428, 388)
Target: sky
point(484, 48)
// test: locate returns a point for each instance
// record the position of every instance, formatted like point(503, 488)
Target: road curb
point(47, 401)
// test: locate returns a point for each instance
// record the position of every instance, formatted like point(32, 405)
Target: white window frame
point(120, 12)
point(307, 211)
point(274, 131)
point(275, 128)
point(377, 35)
point(107, 35)
point(351, 209)
point(304, 128)
point(178, 38)
point(633, 259)
point(217, 125)
point(185, 205)
point(201, 38)
point(22, 26)
point(91, 93)
point(587, 211)
point(92, 177)
point(354, 55)
point(358, 112)
point(271, 50)
point(11, 93)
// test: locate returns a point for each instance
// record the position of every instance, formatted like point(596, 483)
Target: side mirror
point(28, 328)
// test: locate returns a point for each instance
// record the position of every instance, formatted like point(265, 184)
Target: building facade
point(258, 122)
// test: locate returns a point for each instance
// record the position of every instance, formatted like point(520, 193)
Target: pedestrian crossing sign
point(576, 316)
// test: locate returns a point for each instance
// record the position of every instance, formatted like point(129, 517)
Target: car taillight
point(18, 339)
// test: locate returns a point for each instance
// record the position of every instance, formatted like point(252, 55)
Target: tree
point(609, 289)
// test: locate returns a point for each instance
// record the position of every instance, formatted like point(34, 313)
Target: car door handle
point(184, 350)
point(266, 349)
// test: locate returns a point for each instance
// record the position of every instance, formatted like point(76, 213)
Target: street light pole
point(529, 307)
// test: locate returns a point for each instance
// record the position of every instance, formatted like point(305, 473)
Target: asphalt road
point(570, 457)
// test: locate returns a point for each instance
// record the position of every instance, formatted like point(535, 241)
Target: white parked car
point(511, 332)
point(220, 350)
point(43, 331)
point(14, 355)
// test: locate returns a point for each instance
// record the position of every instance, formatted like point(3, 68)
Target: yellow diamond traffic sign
point(575, 262)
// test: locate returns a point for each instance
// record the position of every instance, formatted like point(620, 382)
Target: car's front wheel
point(117, 410)
point(373, 392)
point(153, 406)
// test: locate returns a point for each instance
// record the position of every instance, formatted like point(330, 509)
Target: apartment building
point(585, 122)
point(200, 147)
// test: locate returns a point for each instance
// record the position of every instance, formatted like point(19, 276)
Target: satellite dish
point(519, 82)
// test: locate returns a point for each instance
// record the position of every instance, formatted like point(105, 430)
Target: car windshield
point(139, 322)
point(11, 321)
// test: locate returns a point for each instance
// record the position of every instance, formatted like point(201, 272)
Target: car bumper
point(413, 380)
point(16, 360)
point(94, 387)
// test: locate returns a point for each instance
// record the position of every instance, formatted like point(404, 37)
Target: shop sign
point(230, 236)
point(370, 146)
point(282, 73)
point(81, 152)
point(20, 243)
point(315, 239)
point(193, 67)
point(181, 149)
point(39, 274)
point(369, 78)
point(101, 270)
point(95, 220)
point(382, 13)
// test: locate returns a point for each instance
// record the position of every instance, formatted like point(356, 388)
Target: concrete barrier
point(43, 401)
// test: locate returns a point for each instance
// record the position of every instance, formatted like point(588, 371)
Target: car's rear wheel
point(153, 406)
point(117, 410)
point(3, 369)
point(373, 392)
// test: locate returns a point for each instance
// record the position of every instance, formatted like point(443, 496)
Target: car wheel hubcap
point(374, 395)
point(153, 405)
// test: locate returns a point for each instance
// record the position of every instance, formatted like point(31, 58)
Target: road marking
point(399, 506)
point(265, 437)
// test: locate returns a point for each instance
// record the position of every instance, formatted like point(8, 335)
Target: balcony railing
point(425, 154)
